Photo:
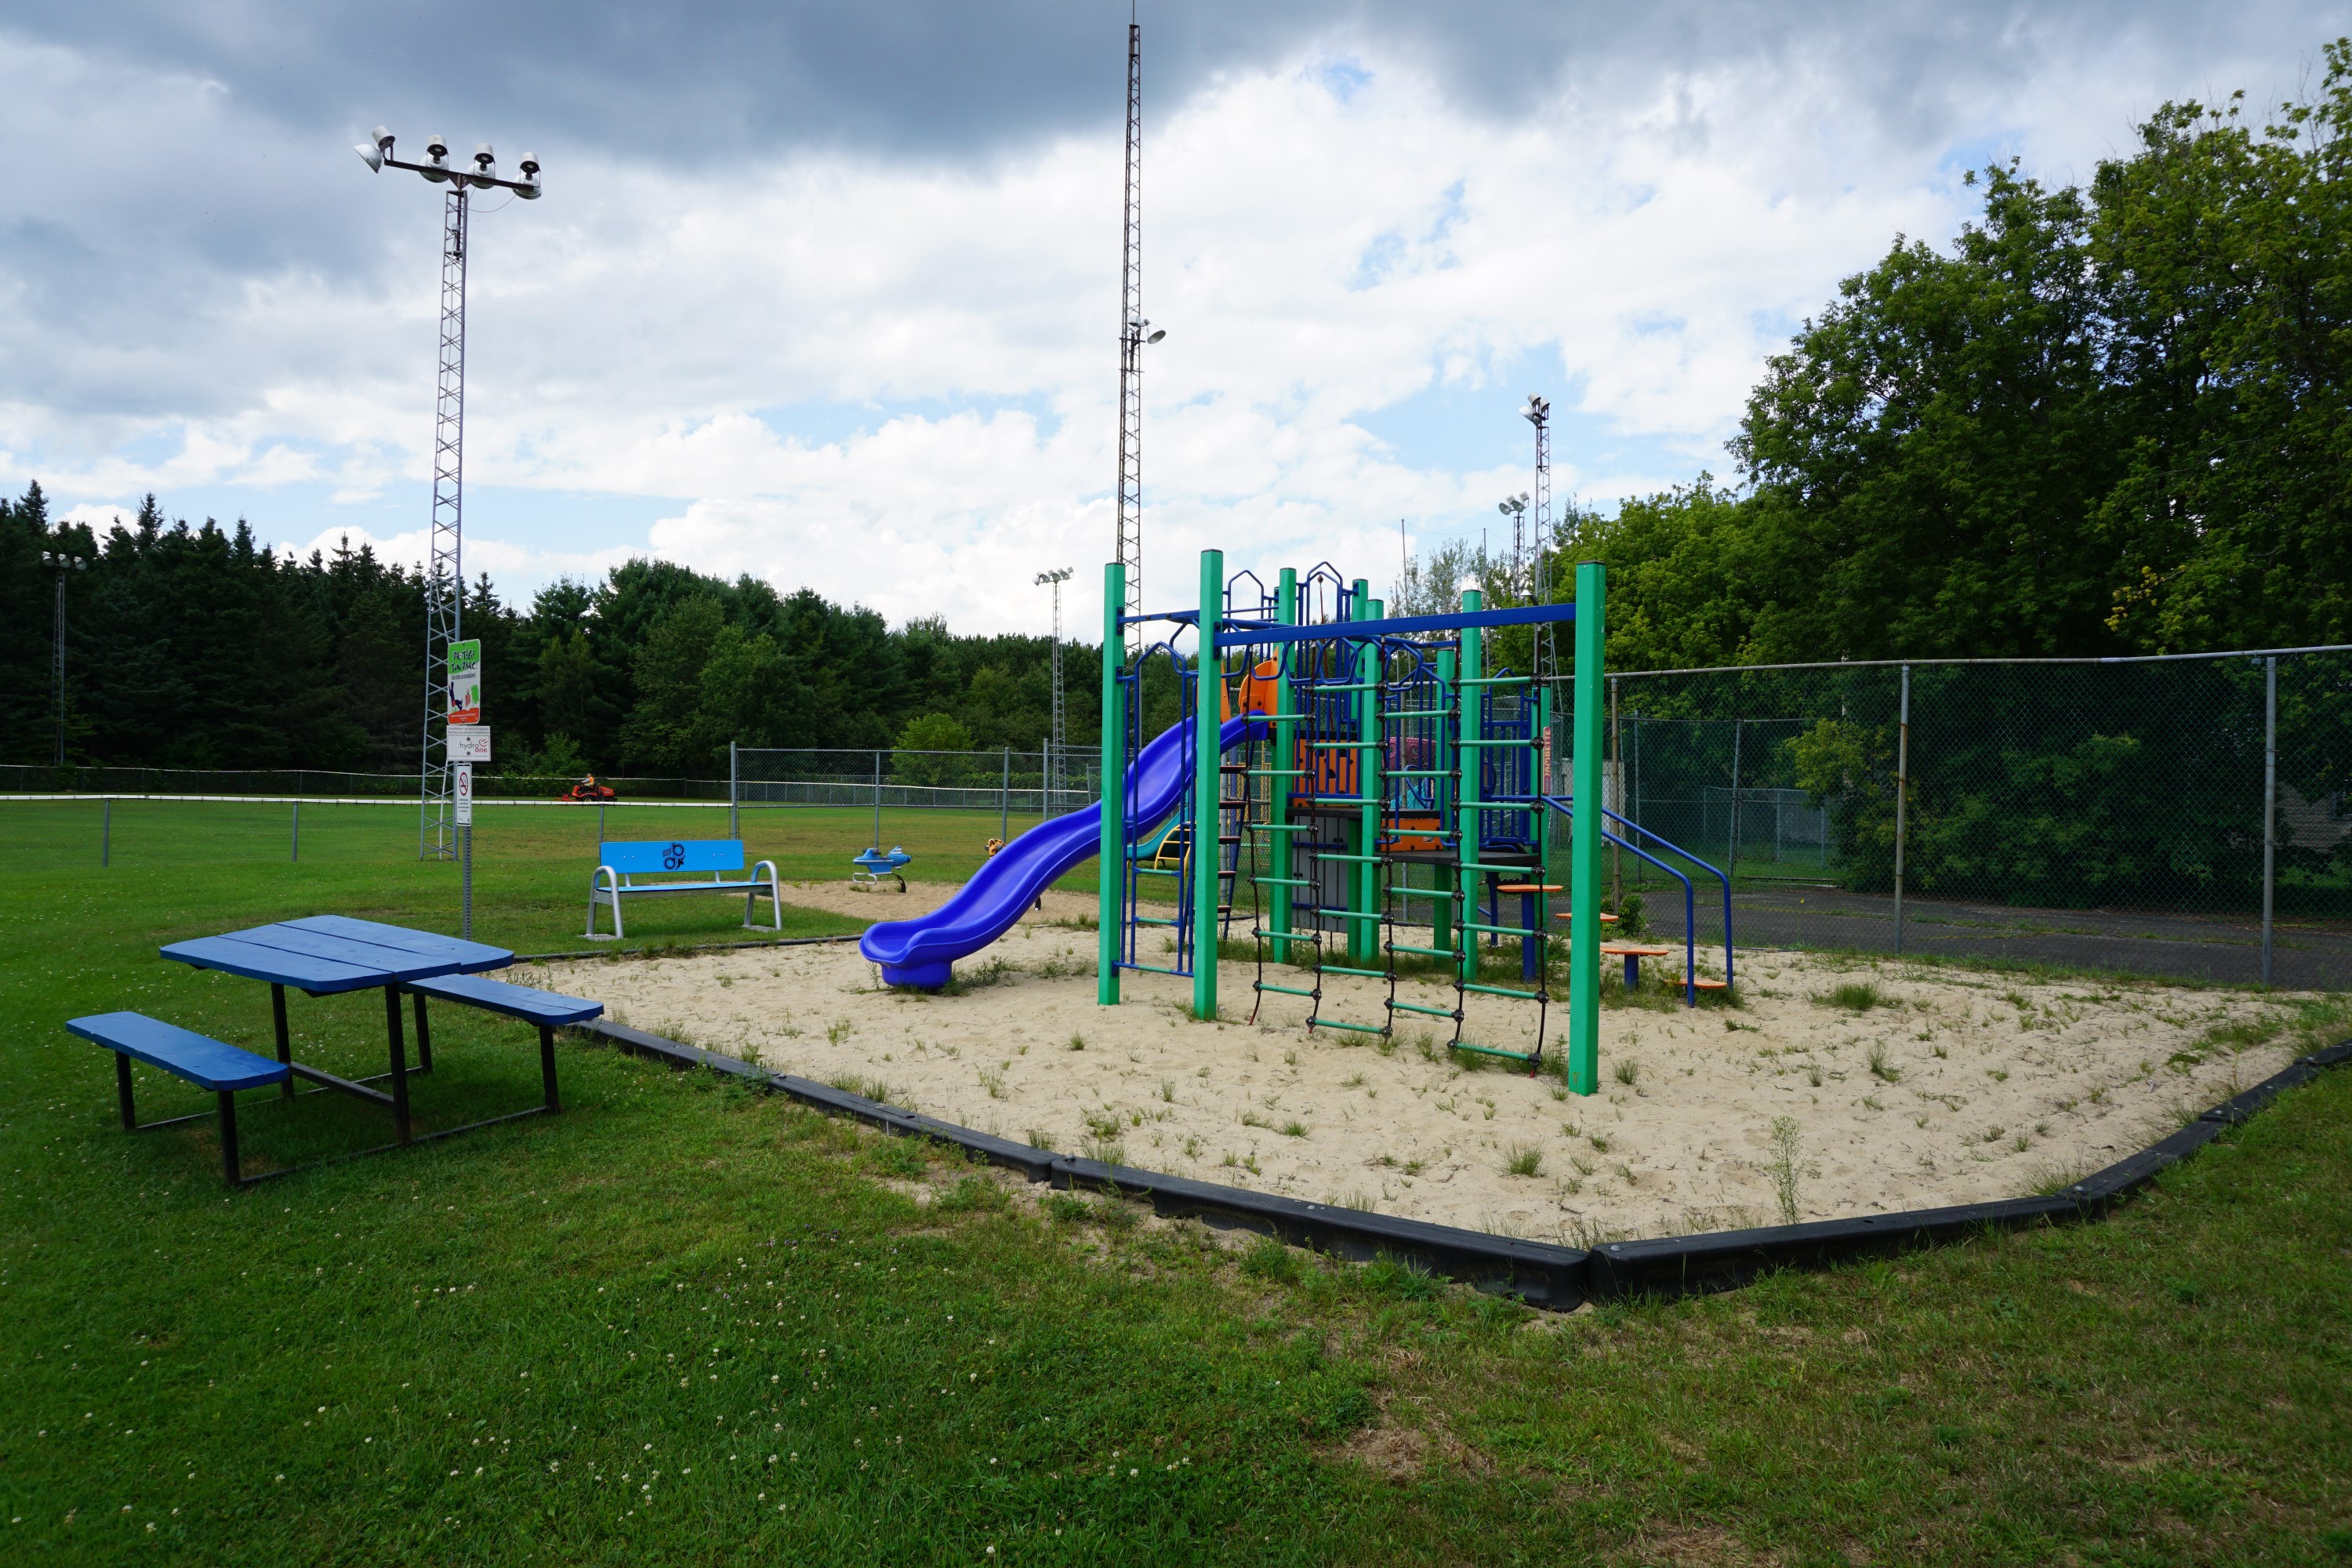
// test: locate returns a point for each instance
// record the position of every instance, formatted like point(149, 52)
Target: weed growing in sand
point(1941, 1053)
point(1415, 1167)
point(1881, 1068)
point(1037, 1140)
point(1109, 1151)
point(1784, 1172)
point(1600, 1143)
point(1293, 1129)
point(1252, 1119)
point(1290, 1058)
point(1168, 1090)
point(1078, 1042)
point(1523, 1160)
point(871, 1087)
point(1998, 1075)
point(1584, 1167)
point(1384, 1043)
point(1353, 1081)
point(1855, 996)
point(838, 1031)
point(994, 1081)
point(1814, 1074)
point(1626, 1070)
point(1104, 1125)
point(1427, 1044)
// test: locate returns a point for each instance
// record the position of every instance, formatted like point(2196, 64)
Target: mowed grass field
point(682, 1324)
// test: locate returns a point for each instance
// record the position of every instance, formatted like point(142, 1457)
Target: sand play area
point(1814, 1098)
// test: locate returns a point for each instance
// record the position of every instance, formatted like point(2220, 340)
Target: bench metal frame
point(611, 886)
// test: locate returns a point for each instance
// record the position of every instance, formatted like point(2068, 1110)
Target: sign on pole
point(465, 795)
point(469, 742)
point(465, 682)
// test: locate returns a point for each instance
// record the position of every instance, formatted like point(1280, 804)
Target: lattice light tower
point(1058, 735)
point(1134, 333)
point(444, 575)
point(1538, 413)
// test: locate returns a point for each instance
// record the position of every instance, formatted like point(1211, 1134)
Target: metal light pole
point(444, 577)
point(1133, 333)
point(65, 560)
point(1054, 580)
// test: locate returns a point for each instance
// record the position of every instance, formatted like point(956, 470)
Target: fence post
point(106, 831)
point(2270, 800)
point(296, 857)
point(1110, 863)
point(1004, 799)
point(1617, 770)
point(734, 820)
point(877, 798)
point(1902, 791)
point(1731, 861)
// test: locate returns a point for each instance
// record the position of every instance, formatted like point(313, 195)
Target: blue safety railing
point(1690, 900)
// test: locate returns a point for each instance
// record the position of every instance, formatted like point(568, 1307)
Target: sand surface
point(1961, 1086)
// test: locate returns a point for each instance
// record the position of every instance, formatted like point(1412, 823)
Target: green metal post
point(1284, 752)
point(1584, 834)
point(1363, 945)
point(1208, 727)
point(1110, 937)
point(1467, 753)
point(1440, 920)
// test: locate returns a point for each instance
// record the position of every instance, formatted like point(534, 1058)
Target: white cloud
point(892, 381)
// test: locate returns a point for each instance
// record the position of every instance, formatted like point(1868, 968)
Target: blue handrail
point(1694, 860)
point(1690, 943)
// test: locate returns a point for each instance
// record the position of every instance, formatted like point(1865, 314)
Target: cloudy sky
point(830, 294)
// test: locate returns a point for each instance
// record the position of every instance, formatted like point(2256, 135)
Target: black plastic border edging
point(1558, 1278)
point(574, 954)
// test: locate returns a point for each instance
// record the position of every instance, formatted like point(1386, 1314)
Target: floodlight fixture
point(1156, 336)
point(376, 154)
point(1058, 574)
point(1537, 411)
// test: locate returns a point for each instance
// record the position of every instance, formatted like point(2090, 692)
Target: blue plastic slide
point(922, 951)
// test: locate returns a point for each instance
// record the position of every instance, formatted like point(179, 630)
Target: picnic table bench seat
point(209, 1064)
point(547, 1009)
point(617, 862)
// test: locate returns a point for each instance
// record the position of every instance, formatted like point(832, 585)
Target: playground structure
point(1368, 792)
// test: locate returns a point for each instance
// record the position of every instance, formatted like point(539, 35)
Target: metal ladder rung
point(1286, 990)
point(1506, 990)
point(1283, 881)
point(1358, 1028)
point(1427, 893)
point(1425, 952)
point(1277, 826)
point(1343, 969)
point(1155, 969)
point(1499, 931)
point(1494, 1051)
point(1156, 920)
point(1424, 1012)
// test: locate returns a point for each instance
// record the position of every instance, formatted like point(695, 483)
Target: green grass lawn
point(683, 1323)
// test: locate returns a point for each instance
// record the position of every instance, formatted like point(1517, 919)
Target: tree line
point(198, 646)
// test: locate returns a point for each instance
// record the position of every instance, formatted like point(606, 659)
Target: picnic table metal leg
point(424, 1033)
point(547, 1064)
point(228, 1138)
point(123, 1091)
point(399, 1063)
point(284, 1041)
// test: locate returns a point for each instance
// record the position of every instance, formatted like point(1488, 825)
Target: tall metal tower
point(1132, 336)
point(1058, 736)
point(1538, 413)
point(445, 574)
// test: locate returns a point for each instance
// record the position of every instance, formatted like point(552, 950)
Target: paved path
point(2306, 954)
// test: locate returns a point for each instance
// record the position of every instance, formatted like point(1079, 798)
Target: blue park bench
point(699, 858)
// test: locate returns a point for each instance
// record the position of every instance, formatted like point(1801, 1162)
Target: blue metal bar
point(1690, 906)
point(1257, 632)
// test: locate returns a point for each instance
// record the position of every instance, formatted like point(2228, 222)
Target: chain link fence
point(1008, 782)
point(315, 783)
point(2185, 817)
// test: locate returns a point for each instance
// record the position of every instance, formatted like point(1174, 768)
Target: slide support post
point(1208, 724)
point(1585, 833)
point(1111, 864)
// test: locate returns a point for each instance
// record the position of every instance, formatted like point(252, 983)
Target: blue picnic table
point(325, 955)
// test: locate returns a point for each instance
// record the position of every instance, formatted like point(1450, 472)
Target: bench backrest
point(666, 857)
